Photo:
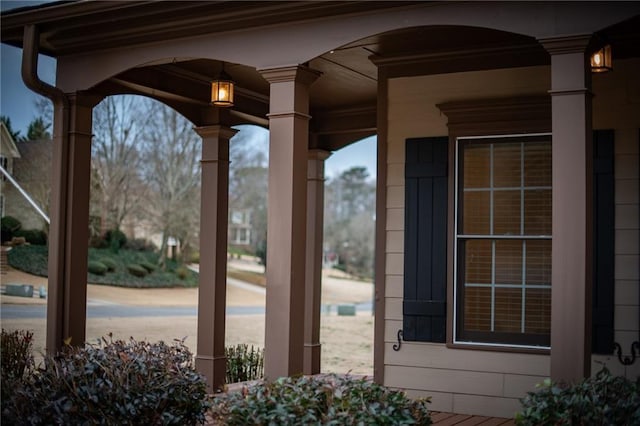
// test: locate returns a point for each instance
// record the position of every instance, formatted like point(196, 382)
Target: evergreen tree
point(38, 130)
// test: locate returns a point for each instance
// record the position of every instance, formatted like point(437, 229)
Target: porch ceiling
point(344, 97)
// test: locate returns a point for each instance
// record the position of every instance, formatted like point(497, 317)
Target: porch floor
point(447, 419)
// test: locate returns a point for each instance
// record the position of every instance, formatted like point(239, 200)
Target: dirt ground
point(347, 341)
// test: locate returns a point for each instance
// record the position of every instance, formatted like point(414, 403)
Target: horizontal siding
point(395, 219)
point(395, 197)
point(441, 380)
point(394, 286)
point(488, 382)
point(438, 356)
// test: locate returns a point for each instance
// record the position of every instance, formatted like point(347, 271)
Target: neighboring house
point(507, 200)
point(240, 228)
point(31, 170)
point(8, 153)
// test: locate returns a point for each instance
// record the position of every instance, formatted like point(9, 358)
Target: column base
point(214, 369)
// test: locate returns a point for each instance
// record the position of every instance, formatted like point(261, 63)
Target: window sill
point(491, 347)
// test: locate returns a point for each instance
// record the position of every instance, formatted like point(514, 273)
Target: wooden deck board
point(450, 419)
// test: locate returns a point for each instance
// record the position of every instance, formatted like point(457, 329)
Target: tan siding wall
point(462, 381)
point(624, 117)
point(486, 382)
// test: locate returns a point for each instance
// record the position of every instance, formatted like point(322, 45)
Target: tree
point(119, 123)
point(248, 178)
point(38, 130)
point(15, 134)
point(349, 220)
point(171, 171)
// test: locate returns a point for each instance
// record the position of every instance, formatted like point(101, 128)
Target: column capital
point(85, 98)
point(319, 154)
point(216, 131)
point(296, 73)
point(315, 168)
point(566, 44)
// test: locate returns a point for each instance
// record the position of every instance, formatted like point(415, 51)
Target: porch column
point(212, 281)
point(313, 282)
point(69, 230)
point(571, 208)
point(287, 218)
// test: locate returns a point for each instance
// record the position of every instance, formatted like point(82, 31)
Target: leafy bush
point(320, 401)
point(182, 272)
point(96, 267)
point(8, 226)
point(109, 263)
point(244, 364)
point(116, 239)
point(140, 244)
point(114, 382)
point(16, 361)
point(600, 400)
point(150, 267)
point(32, 236)
point(136, 270)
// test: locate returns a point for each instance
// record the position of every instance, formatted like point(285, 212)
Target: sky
point(18, 103)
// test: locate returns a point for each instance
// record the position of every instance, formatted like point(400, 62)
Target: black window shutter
point(603, 241)
point(425, 256)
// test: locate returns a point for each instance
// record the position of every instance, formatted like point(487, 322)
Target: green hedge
point(33, 259)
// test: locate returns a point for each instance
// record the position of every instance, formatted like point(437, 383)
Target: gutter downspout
point(58, 230)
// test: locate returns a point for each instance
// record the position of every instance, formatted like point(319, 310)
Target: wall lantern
point(222, 90)
point(601, 59)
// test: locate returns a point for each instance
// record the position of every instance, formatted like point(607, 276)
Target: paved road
point(124, 311)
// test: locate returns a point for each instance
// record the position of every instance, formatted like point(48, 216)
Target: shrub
point(603, 400)
point(136, 270)
point(244, 364)
point(96, 267)
point(150, 267)
point(32, 236)
point(140, 244)
point(16, 362)
point(182, 272)
point(116, 239)
point(114, 382)
point(8, 226)
point(319, 400)
point(109, 263)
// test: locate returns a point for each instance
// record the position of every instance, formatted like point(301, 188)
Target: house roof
point(8, 145)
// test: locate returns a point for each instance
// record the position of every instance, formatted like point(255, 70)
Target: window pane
point(508, 310)
point(477, 309)
point(538, 263)
point(537, 212)
point(476, 213)
point(537, 311)
point(506, 213)
point(476, 165)
point(477, 262)
point(537, 164)
point(508, 262)
point(506, 165)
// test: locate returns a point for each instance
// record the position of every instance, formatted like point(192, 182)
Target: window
point(503, 240)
